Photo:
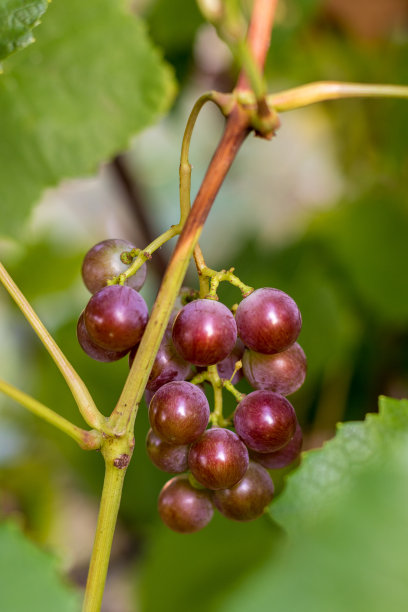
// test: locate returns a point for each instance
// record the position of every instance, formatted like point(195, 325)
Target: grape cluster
point(228, 469)
point(224, 466)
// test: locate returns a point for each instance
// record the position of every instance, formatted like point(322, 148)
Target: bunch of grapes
point(225, 465)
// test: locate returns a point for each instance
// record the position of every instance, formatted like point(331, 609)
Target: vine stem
point(117, 453)
point(322, 91)
point(235, 133)
point(200, 265)
point(123, 416)
point(88, 440)
point(83, 398)
point(216, 417)
point(185, 184)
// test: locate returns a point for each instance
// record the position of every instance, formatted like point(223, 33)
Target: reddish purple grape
point(284, 456)
point(179, 412)
point(92, 349)
point(265, 421)
point(103, 262)
point(115, 317)
point(167, 366)
point(148, 396)
point(204, 332)
point(219, 459)
point(283, 372)
point(226, 367)
point(268, 321)
point(184, 508)
point(248, 499)
point(166, 457)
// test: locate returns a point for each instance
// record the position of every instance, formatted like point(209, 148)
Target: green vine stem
point(236, 130)
point(210, 279)
point(185, 183)
point(216, 417)
point(229, 22)
point(123, 416)
point(185, 166)
point(226, 276)
point(254, 76)
point(211, 375)
point(200, 265)
point(88, 440)
point(146, 254)
point(83, 398)
point(227, 384)
point(117, 454)
point(322, 91)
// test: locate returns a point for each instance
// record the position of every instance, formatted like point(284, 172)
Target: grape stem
point(83, 398)
point(214, 278)
point(122, 419)
point(88, 440)
point(145, 254)
point(117, 453)
point(216, 417)
point(323, 91)
point(211, 375)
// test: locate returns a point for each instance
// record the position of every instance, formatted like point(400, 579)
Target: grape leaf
point(17, 19)
point(75, 98)
point(354, 559)
point(29, 578)
point(319, 484)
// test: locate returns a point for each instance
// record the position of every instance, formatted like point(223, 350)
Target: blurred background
point(320, 212)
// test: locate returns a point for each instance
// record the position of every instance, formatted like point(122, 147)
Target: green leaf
point(319, 484)
point(29, 578)
point(195, 569)
point(349, 552)
point(74, 99)
point(17, 19)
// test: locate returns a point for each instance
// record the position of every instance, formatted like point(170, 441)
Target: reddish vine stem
point(122, 419)
point(236, 130)
point(259, 35)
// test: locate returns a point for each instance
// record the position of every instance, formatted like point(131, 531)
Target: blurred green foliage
point(346, 270)
point(29, 577)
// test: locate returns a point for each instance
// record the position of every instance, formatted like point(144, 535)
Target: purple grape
point(265, 421)
point(268, 321)
point(219, 459)
point(148, 396)
point(92, 349)
point(204, 332)
point(179, 412)
point(166, 457)
point(226, 367)
point(184, 508)
point(282, 457)
point(248, 499)
point(283, 372)
point(103, 262)
point(167, 366)
point(115, 317)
